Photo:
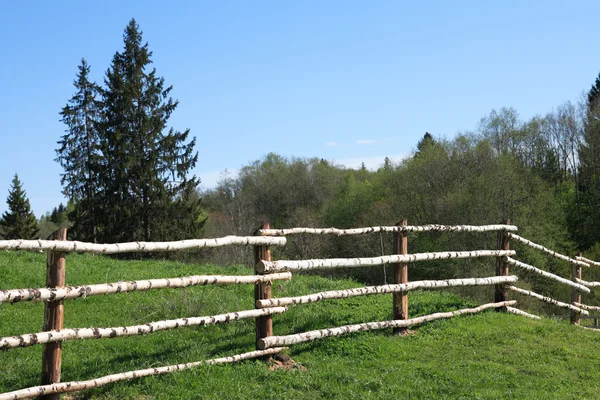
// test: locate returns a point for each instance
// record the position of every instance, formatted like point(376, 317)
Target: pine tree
point(18, 222)
point(79, 154)
point(146, 163)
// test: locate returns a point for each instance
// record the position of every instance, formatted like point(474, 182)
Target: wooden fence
point(266, 272)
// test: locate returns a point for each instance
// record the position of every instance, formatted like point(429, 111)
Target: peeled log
point(274, 341)
point(521, 312)
point(296, 265)
point(73, 292)
point(546, 250)
point(388, 229)
point(370, 290)
point(586, 307)
point(101, 333)
point(124, 376)
point(586, 283)
point(549, 300)
point(548, 275)
point(140, 247)
point(588, 261)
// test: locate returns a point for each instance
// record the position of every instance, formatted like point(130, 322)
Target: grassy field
point(486, 356)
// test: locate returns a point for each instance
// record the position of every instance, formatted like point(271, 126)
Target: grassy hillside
point(486, 356)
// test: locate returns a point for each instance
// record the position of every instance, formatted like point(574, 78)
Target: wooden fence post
point(575, 295)
point(501, 265)
point(400, 276)
point(53, 316)
point(262, 291)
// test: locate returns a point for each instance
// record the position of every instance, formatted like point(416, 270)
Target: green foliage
point(18, 222)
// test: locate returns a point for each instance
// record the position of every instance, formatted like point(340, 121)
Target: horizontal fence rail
point(296, 265)
point(274, 341)
point(586, 307)
point(586, 283)
point(371, 290)
point(73, 292)
point(588, 261)
point(138, 247)
point(546, 250)
point(548, 275)
point(546, 299)
point(516, 311)
point(66, 387)
point(134, 330)
point(388, 229)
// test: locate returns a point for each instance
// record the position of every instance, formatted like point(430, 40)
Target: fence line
point(274, 341)
point(388, 229)
point(65, 387)
point(134, 330)
point(546, 250)
point(586, 307)
point(586, 283)
point(73, 292)
point(382, 289)
point(545, 299)
point(141, 247)
point(548, 275)
point(516, 311)
point(296, 265)
point(588, 261)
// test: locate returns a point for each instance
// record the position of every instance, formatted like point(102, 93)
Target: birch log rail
point(388, 229)
point(586, 307)
point(516, 311)
point(545, 299)
point(371, 290)
point(588, 261)
point(141, 247)
point(124, 376)
point(296, 265)
point(73, 292)
point(276, 341)
point(587, 283)
point(548, 275)
point(546, 250)
point(134, 330)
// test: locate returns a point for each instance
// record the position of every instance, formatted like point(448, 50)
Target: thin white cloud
point(330, 144)
point(366, 141)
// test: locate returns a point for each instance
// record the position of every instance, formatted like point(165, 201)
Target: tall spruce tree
point(145, 190)
point(18, 222)
point(79, 154)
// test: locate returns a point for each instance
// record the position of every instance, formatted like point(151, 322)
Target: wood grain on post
point(262, 291)
point(501, 265)
point(400, 276)
point(53, 316)
point(575, 295)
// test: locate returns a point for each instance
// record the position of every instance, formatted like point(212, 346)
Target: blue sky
point(348, 81)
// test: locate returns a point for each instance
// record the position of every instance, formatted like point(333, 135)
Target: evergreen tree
point(146, 163)
point(79, 154)
point(18, 222)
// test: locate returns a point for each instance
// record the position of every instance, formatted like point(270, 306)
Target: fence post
point(502, 243)
point(400, 276)
point(575, 295)
point(53, 315)
point(262, 291)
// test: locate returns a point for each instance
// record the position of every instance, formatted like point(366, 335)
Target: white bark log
point(275, 341)
point(376, 229)
point(101, 333)
point(295, 265)
point(141, 247)
point(370, 290)
point(546, 250)
point(586, 307)
point(549, 300)
point(589, 328)
point(73, 292)
point(586, 283)
point(588, 261)
point(548, 275)
point(521, 312)
point(125, 376)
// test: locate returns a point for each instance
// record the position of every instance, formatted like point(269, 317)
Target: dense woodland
point(128, 177)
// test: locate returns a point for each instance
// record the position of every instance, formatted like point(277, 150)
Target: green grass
point(485, 356)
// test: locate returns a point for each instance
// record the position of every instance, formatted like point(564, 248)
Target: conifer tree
point(147, 164)
point(79, 154)
point(18, 222)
